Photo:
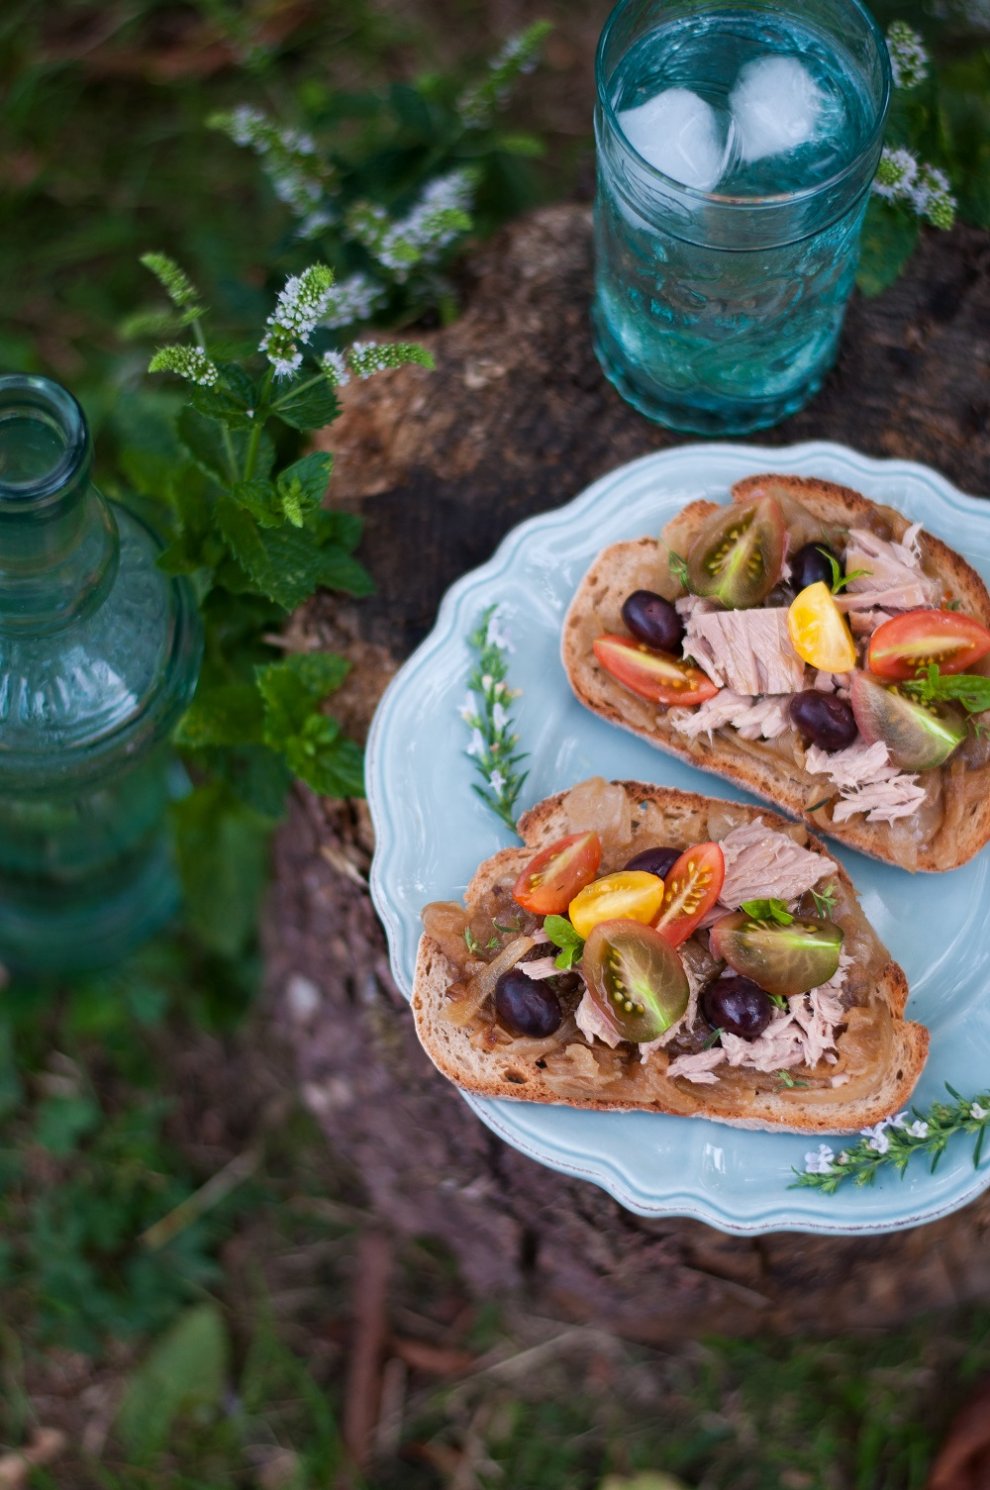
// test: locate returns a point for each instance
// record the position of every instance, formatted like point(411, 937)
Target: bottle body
point(99, 654)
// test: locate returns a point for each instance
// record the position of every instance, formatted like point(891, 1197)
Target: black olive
point(655, 861)
point(738, 1006)
point(824, 719)
point(654, 621)
point(525, 1006)
point(809, 565)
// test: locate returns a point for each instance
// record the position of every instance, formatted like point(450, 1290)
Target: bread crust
point(963, 826)
point(510, 1069)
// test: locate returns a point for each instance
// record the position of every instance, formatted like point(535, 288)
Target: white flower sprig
point(908, 58)
point(299, 308)
point(486, 713)
point(365, 358)
point(289, 158)
point(478, 103)
point(902, 178)
point(894, 1142)
point(432, 224)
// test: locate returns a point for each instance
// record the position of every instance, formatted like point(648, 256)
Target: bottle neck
point(58, 537)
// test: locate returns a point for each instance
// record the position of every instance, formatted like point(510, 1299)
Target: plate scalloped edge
point(829, 460)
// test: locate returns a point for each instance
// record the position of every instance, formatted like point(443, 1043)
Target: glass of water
point(736, 145)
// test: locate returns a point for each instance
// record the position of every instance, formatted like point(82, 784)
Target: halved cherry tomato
point(627, 895)
point(739, 554)
point(635, 978)
point(550, 881)
point(690, 890)
point(658, 676)
point(784, 960)
point(819, 632)
point(906, 644)
point(917, 736)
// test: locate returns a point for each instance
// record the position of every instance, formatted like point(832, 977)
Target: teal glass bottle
point(99, 655)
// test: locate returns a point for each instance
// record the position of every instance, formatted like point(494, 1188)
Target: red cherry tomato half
point(903, 646)
point(689, 891)
point(658, 676)
point(550, 882)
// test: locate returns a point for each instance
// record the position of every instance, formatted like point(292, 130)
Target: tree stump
point(515, 420)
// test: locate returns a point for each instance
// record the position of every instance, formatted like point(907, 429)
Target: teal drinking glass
point(736, 144)
point(99, 655)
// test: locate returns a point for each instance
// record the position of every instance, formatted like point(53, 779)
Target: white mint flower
point(354, 299)
point(500, 716)
point(877, 1138)
point(896, 174)
point(978, 1112)
point(497, 634)
point(477, 745)
point(430, 226)
point(468, 710)
point(820, 1160)
point(186, 362)
point(366, 358)
point(908, 58)
point(334, 364)
point(917, 1129)
point(497, 782)
point(898, 1121)
point(299, 307)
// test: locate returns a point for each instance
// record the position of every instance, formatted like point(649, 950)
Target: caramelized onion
point(482, 985)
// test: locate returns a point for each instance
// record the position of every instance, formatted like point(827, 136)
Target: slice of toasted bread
point(952, 824)
point(880, 1054)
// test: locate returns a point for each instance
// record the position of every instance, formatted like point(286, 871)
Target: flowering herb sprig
point(392, 229)
point(247, 523)
point(892, 1144)
point(486, 712)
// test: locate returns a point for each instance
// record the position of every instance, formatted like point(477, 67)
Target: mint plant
point(386, 186)
point(246, 521)
point(922, 160)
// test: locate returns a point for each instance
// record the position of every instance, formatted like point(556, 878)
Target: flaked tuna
point(754, 718)
point(867, 781)
point(896, 580)
point(748, 651)
point(699, 1068)
point(761, 864)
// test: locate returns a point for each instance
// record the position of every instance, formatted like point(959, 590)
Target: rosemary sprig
point(894, 1143)
point(486, 712)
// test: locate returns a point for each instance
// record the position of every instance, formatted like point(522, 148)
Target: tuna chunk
point(761, 864)
point(867, 782)
point(754, 718)
point(592, 1022)
point(896, 580)
point(748, 651)
point(699, 1068)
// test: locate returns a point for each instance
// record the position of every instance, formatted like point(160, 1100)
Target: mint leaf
point(560, 931)
point(302, 486)
point(293, 688)
point(222, 853)
point(768, 910)
point(230, 714)
point(839, 580)
point(308, 408)
point(286, 564)
point(825, 900)
point(968, 689)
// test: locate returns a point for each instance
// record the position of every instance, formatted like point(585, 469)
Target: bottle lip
point(23, 391)
point(855, 163)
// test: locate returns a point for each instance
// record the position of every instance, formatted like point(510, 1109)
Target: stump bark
point(516, 419)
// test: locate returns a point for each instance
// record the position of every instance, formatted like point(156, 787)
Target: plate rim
point(601, 1171)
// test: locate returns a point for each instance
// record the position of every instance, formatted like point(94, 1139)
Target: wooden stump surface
point(516, 419)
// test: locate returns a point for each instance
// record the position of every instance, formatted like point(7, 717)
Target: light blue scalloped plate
point(432, 832)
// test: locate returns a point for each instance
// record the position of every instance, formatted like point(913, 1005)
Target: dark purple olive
point(809, 565)
point(738, 1006)
point(526, 1007)
point(653, 620)
point(824, 719)
point(655, 860)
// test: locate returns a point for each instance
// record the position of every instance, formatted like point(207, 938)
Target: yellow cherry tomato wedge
point(819, 632)
point(692, 886)
point(551, 880)
point(627, 895)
